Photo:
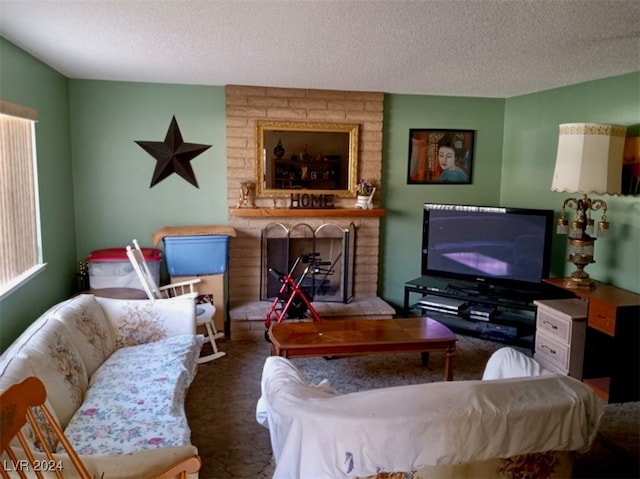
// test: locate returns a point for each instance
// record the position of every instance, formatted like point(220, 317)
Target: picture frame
point(427, 166)
point(287, 152)
point(631, 166)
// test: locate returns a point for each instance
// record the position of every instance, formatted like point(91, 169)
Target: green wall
point(112, 174)
point(402, 226)
point(94, 180)
point(27, 81)
point(529, 155)
point(515, 152)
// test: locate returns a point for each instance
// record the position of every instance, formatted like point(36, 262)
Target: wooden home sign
point(310, 201)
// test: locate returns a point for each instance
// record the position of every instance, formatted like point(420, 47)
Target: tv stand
point(462, 287)
point(491, 312)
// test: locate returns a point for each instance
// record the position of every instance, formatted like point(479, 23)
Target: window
point(20, 247)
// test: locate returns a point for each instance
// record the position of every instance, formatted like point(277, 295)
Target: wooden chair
point(204, 311)
point(19, 406)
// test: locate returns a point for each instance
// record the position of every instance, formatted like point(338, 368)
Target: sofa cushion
point(88, 329)
point(139, 322)
point(57, 363)
point(14, 349)
point(136, 399)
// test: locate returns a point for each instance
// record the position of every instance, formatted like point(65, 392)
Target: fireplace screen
point(330, 243)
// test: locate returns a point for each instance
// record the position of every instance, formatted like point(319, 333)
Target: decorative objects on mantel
point(311, 201)
point(364, 187)
point(247, 194)
point(589, 160)
point(365, 191)
point(365, 201)
point(173, 155)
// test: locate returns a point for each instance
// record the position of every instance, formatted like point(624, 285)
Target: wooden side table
point(612, 343)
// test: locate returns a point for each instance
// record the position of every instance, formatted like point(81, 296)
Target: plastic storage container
point(111, 268)
point(196, 255)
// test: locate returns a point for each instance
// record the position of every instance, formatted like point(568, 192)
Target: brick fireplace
point(245, 105)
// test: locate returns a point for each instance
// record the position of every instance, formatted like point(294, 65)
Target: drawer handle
point(553, 326)
point(552, 351)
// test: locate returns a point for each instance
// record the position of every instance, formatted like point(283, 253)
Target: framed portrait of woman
point(440, 156)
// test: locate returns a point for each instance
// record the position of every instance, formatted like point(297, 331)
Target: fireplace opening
point(331, 243)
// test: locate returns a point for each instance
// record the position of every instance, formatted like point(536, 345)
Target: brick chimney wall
point(245, 105)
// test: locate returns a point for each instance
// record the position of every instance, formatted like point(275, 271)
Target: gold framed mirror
point(306, 157)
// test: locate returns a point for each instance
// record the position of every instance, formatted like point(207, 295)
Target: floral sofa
point(116, 374)
point(520, 421)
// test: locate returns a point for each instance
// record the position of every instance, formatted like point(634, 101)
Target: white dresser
point(560, 335)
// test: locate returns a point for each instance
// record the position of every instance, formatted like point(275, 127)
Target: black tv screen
point(492, 245)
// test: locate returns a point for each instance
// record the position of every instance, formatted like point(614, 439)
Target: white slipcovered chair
point(205, 311)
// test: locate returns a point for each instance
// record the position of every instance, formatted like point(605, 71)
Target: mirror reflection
point(306, 156)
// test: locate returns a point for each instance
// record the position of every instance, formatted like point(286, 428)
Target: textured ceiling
point(477, 48)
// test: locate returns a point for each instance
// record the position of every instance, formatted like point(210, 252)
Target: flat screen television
point(494, 246)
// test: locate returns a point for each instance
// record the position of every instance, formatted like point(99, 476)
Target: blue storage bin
point(196, 255)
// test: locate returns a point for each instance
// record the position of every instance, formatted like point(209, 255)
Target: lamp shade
point(589, 158)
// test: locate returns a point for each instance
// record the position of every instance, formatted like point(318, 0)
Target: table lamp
point(589, 160)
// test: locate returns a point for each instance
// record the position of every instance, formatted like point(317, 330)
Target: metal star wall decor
point(173, 155)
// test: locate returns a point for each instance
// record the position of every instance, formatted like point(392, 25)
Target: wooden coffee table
point(345, 337)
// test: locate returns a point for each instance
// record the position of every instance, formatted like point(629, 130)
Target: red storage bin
point(111, 268)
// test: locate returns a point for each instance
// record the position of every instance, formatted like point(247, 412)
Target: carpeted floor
point(222, 399)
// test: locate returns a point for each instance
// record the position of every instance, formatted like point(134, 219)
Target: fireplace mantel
point(306, 212)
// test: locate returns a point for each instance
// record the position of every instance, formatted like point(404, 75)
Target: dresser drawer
point(602, 316)
point(554, 325)
point(552, 351)
point(556, 317)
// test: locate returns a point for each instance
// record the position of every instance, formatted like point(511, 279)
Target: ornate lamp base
point(578, 283)
point(580, 278)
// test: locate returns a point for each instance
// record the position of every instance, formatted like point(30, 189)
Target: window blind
point(19, 235)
